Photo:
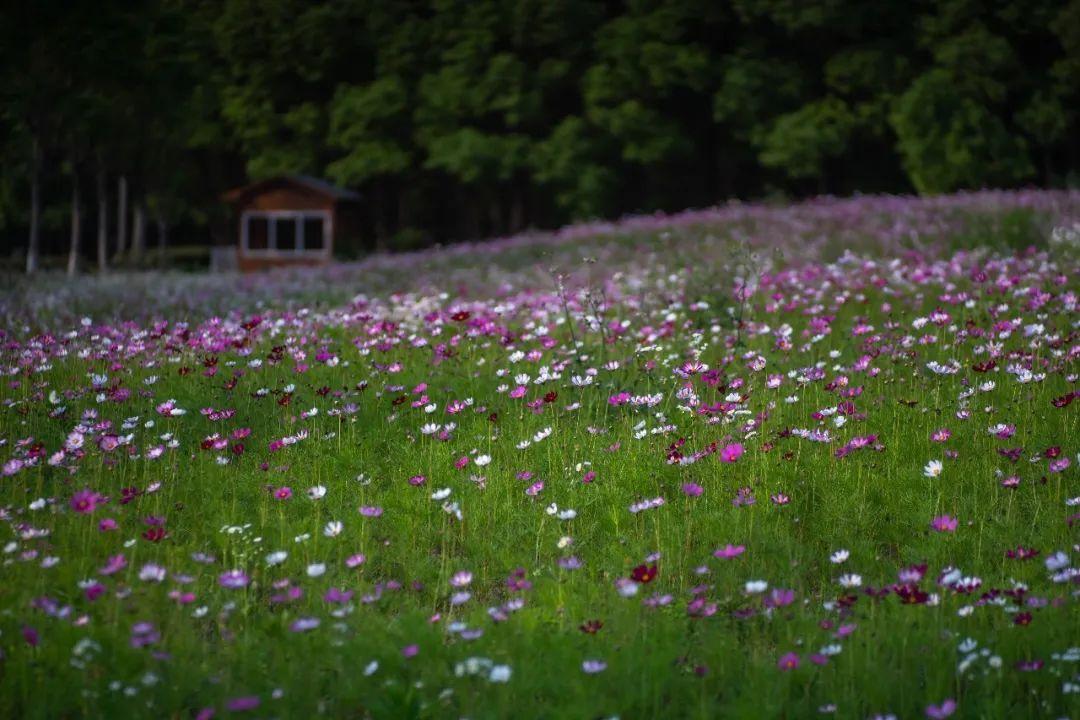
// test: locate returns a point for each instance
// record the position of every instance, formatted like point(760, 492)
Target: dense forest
point(122, 121)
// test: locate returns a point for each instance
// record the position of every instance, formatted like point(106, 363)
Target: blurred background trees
point(121, 121)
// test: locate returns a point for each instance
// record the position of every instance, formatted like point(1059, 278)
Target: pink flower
point(283, 493)
point(85, 501)
point(729, 552)
point(731, 453)
point(944, 523)
point(780, 597)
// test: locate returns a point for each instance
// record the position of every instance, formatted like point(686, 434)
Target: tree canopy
point(466, 118)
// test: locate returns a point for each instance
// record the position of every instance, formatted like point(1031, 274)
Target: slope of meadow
point(743, 462)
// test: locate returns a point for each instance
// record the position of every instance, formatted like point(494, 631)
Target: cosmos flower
point(944, 523)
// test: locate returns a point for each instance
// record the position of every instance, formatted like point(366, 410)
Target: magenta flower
point(944, 523)
point(729, 552)
point(283, 493)
point(240, 704)
point(410, 651)
point(731, 453)
point(788, 661)
point(85, 501)
point(941, 435)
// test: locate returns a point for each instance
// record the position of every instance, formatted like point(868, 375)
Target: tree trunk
point(381, 234)
point(121, 215)
point(138, 234)
point(162, 240)
point(76, 227)
point(102, 223)
point(517, 210)
point(33, 248)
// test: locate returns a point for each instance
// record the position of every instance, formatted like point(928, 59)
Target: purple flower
point(692, 489)
point(304, 624)
point(233, 579)
point(939, 712)
point(591, 667)
point(240, 704)
point(371, 511)
point(788, 661)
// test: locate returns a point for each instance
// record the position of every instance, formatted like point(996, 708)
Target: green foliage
point(801, 141)
point(949, 140)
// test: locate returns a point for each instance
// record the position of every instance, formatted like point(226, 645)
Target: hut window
point(313, 233)
point(285, 232)
point(258, 233)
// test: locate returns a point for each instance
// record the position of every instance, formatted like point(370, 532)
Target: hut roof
point(317, 185)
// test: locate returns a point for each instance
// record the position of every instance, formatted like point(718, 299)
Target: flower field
point(751, 461)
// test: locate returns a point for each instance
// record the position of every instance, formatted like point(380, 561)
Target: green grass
point(876, 503)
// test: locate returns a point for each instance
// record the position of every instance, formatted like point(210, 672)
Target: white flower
point(482, 460)
point(316, 492)
point(499, 674)
point(1057, 561)
point(371, 667)
point(933, 469)
point(333, 528)
point(316, 569)
point(839, 556)
point(276, 558)
point(441, 494)
point(754, 587)
point(850, 580)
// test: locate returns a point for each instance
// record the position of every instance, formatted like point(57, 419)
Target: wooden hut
point(293, 220)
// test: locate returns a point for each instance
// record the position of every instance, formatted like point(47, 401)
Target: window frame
point(271, 217)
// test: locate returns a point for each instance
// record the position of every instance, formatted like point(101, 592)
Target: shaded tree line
point(123, 120)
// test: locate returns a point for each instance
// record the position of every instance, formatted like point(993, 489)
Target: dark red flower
point(591, 627)
point(644, 573)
